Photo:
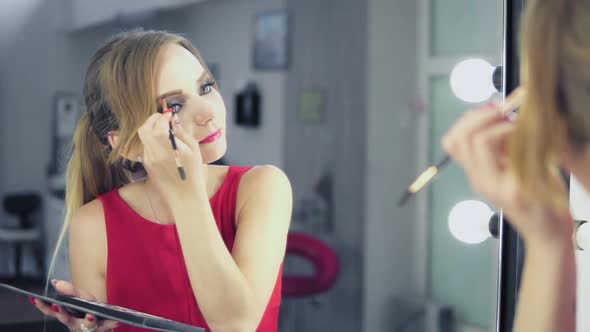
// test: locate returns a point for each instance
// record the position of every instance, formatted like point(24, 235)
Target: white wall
point(329, 55)
point(389, 230)
point(222, 31)
point(580, 205)
point(28, 35)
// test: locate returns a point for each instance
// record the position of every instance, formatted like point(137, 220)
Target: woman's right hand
point(88, 323)
point(478, 142)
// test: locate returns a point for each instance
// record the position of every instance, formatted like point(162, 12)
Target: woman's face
point(189, 89)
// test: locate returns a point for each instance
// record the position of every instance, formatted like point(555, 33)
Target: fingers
point(184, 137)
point(467, 124)
point(107, 325)
point(63, 316)
point(67, 288)
point(90, 322)
point(155, 125)
point(55, 311)
point(461, 133)
point(43, 307)
point(489, 160)
point(491, 142)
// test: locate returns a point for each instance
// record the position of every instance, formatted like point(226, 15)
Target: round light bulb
point(582, 236)
point(469, 220)
point(472, 80)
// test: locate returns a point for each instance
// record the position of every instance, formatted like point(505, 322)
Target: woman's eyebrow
point(203, 76)
point(168, 94)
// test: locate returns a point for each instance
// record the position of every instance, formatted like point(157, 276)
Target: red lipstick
point(211, 138)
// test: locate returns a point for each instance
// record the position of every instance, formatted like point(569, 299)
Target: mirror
point(350, 98)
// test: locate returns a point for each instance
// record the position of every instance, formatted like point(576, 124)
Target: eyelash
point(209, 86)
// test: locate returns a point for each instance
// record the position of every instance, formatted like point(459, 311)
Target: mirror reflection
point(339, 105)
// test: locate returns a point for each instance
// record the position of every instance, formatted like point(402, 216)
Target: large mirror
point(350, 98)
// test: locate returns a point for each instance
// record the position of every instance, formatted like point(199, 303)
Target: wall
point(389, 257)
point(28, 35)
point(329, 52)
point(579, 199)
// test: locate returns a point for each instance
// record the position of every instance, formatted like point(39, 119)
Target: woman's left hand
point(158, 157)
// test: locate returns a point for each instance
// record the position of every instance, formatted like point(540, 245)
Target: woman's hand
point(88, 323)
point(478, 141)
point(158, 157)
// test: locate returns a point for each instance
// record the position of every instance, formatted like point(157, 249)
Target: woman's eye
point(207, 88)
point(176, 108)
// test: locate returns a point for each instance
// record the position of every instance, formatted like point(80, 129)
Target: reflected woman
point(516, 164)
point(207, 250)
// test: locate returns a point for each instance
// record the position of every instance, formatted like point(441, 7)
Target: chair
point(326, 266)
point(321, 256)
point(24, 206)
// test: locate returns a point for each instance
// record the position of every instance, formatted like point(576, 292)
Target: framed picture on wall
point(67, 110)
point(271, 40)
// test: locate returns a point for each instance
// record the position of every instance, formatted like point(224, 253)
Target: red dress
point(145, 264)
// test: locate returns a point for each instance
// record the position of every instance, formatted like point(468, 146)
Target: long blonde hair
point(119, 95)
point(555, 61)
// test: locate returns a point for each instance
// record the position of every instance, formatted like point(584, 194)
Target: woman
point(515, 164)
point(207, 250)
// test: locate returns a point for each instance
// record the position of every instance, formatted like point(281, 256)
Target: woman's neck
point(155, 200)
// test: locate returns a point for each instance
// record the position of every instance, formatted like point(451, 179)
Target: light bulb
point(472, 80)
point(469, 220)
point(582, 235)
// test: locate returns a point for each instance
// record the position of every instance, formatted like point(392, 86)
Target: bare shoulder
point(261, 184)
point(88, 217)
point(88, 233)
point(263, 178)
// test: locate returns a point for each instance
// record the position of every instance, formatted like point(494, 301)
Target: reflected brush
point(511, 103)
point(165, 110)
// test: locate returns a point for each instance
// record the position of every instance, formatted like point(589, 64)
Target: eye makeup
point(179, 166)
point(205, 84)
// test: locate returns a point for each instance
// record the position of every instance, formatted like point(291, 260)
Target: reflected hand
point(478, 142)
point(158, 157)
point(88, 323)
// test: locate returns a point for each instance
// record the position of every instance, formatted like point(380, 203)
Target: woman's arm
point(88, 259)
point(547, 298)
point(88, 250)
point(478, 141)
point(234, 288)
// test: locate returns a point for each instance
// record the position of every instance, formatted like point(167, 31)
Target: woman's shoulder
point(89, 216)
point(263, 180)
point(262, 173)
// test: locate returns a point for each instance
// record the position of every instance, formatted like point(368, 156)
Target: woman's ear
point(113, 138)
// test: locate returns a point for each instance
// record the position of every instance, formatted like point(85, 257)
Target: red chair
point(321, 256)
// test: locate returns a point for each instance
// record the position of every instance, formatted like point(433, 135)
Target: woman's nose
point(205, 113)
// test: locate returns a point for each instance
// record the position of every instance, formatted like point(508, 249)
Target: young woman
point(207, 250)
point(516, 164)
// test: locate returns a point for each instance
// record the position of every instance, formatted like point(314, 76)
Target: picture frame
point(271, 45)
point(67, 110)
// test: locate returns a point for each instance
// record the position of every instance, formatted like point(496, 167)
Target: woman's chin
point(210, 157)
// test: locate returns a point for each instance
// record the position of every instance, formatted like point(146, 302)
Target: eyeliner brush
point(511, 103)
point(165, 110)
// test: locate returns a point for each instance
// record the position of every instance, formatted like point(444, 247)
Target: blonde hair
point(555, 61)
point(119, 94)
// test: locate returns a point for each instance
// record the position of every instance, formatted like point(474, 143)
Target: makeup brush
point(165, 110)
point(511, 103)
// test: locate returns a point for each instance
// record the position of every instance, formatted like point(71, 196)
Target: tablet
point(79, 307)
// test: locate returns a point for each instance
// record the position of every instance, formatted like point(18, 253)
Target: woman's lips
point(211, 138)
